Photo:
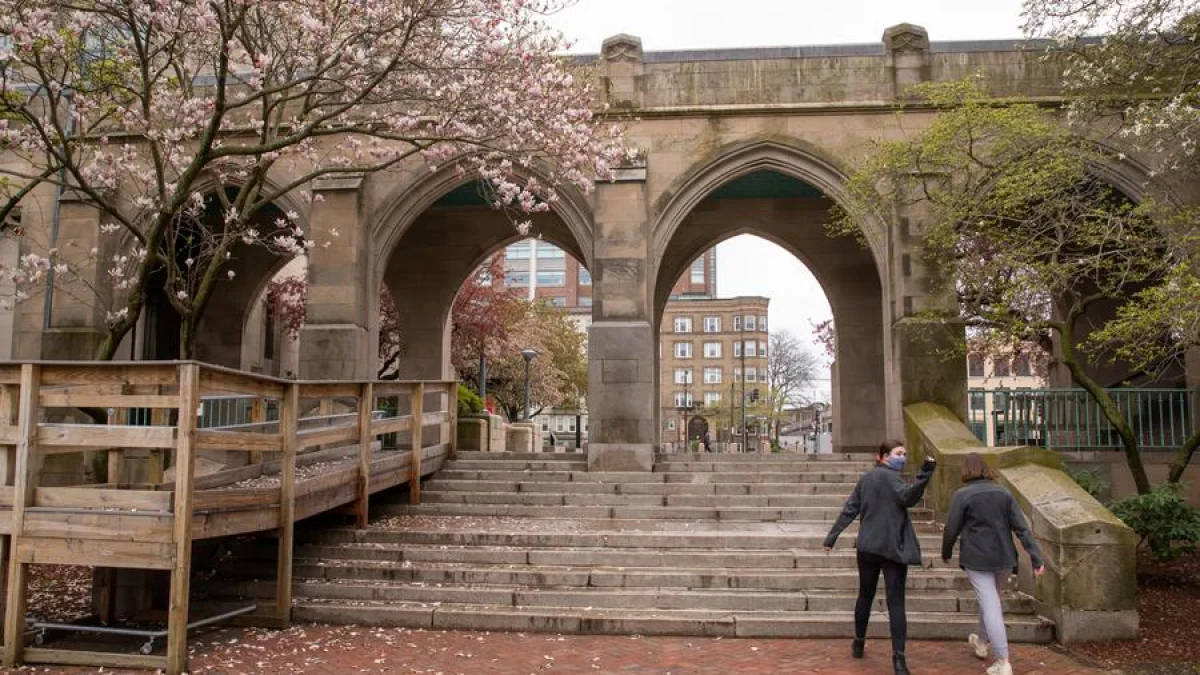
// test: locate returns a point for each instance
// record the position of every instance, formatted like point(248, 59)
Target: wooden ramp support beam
point(25, 478)
point(366, 404)
point(417, 414)
point(185, 475)
point(289, 411)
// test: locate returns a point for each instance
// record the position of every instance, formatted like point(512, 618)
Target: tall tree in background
point(1020, 231)
point(791, 368)
point(485, 314)
point(182, 123)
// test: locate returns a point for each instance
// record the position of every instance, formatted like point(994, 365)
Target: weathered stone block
point(620, 457)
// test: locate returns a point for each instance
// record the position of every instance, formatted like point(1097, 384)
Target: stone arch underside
point(432, 258)
point(845, 271)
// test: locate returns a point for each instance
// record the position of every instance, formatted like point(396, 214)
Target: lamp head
point(528, 354)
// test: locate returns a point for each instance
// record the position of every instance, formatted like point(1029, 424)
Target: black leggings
point(894, 574)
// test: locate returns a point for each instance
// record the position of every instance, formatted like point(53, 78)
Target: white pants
point(987, 587)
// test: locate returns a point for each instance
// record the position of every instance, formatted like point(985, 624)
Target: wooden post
point(414, 464)
point(185, 465)
point(8, 418)
point(452, 415)
point(289, 411)
point(366, 402)
point(258, 415)
point(157, 461)
point(25, 480)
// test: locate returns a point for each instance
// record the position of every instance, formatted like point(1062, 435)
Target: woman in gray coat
point(886, 542)
point(986, 516)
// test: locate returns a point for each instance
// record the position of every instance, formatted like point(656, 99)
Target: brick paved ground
point(338, 650)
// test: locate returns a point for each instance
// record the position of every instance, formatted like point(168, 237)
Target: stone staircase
point(725, 545)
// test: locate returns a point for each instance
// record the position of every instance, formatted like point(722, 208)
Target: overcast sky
point(747, 265)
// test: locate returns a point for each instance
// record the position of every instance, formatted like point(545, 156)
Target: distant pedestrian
point(886, 542)
point(707, 442)
point(986, 516)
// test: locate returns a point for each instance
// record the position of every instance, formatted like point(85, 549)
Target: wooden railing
point(152, 504)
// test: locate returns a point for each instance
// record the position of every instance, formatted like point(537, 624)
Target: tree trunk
point(187, 338)
point(1183, 457)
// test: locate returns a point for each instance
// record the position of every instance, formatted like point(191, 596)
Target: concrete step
point(606, 577)
point(804, 536)
point(434, 495)
point(800, 559)
point(813, 476)
point(789, 457)
point(577, 487)
point(516, 596)
point(625, 510)
point(527, 456)
point(670, 466)
point(921, 625)
point(541, 464)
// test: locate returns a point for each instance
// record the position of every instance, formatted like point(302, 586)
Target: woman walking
point(886, 542)
point(986, 516)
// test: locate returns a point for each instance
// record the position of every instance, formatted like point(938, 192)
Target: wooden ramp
point(291, 449)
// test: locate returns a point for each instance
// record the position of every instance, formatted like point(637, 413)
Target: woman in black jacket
point(886, 542)
point(987, 516)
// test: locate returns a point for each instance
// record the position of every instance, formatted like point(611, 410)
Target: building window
point(712, 399)
point(712, 324)
point(751, 374)
point(683, 398)
point(683, 350)
point(585, 277)
point(683, 376)
point(683, 324)
point(750, 349)
point(737, 374)
point(585, 301)
point(671, 424)
point(1021, 365)
point(749, 322)
point(552, 278)
point(712, 375)
point(516, 279)
point(737, 323)
point(712, 350)
point(737, 348)
point(762, 348)
point(1000, 399)
point(545, 250)
point(975, 365)
point(518, 251)
point(697, 274)
point(763, 375)
point(1001, 367)
point(977, 402)
point(762, 322)
point(558, 300)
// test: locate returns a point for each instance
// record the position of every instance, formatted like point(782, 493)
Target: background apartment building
point(711, 351)
point(989, 381)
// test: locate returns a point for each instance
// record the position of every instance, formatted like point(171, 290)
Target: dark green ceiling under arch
point(765, 184)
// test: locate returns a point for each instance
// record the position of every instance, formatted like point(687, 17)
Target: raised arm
point(909, 495)
point(849, 513)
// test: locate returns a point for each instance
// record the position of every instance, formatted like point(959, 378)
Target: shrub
point(1090, 481)
point(1163, 519)
point(469, 402)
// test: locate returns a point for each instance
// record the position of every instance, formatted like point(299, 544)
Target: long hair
point(975, 468)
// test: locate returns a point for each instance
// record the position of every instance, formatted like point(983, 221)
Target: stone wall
point(1090, 586)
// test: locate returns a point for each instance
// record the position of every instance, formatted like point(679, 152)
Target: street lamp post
point(528, 355)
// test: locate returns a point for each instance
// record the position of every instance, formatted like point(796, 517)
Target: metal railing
point(1070, 419)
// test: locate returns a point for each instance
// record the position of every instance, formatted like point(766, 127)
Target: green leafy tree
point(1019, 232)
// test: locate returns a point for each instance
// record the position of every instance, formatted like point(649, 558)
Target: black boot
point(899, 665)
point(856, 647)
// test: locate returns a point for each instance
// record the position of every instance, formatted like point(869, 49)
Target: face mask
point(896, 461)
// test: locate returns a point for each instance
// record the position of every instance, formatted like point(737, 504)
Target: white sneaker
point(1000, 667)
point(980, 647)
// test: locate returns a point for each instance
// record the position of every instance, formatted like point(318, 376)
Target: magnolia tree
point(1021, 233)
point(186, 124)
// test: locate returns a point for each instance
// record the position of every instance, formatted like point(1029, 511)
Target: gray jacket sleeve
point(954, 523)
point(909, 495)
point(1016, 520)
point(849, 513)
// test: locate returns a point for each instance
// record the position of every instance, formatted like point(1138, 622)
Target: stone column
point(928, 356)
point(76, 322)
point(335, 340)
point(622, 349)
point(907, 51)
